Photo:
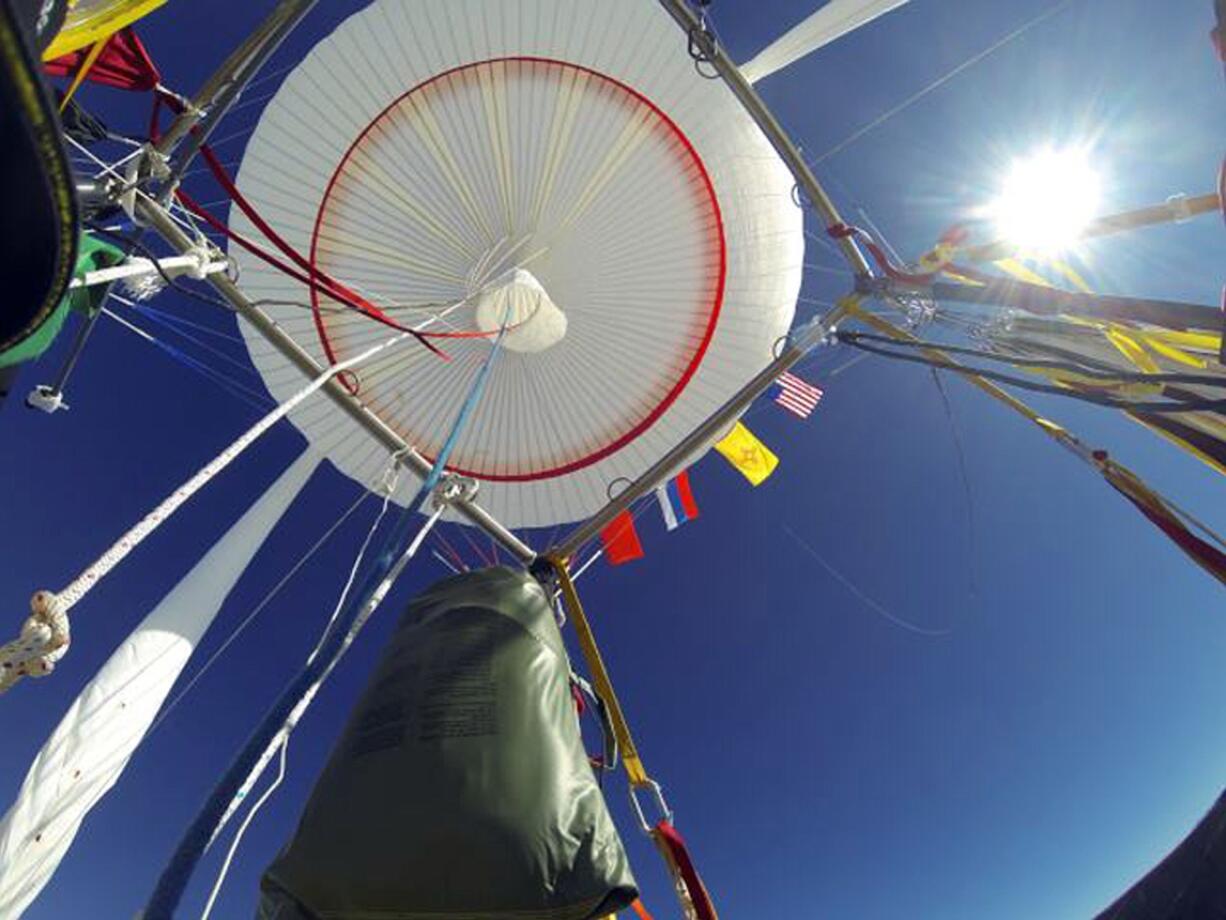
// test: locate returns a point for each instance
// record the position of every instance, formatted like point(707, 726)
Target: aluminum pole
point(783, 144)
point(701, 437)
point(1176, 210)
point(222, 90)
point(157, 218)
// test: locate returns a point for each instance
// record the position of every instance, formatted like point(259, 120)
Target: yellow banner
point(749, 455)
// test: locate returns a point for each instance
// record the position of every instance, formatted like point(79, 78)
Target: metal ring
point(609, 493)
point(782, 340)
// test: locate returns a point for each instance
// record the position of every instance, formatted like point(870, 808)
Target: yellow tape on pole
point(90, 22)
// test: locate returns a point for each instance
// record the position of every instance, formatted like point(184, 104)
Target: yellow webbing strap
point(631, 762)
point(83, 71)
point(600, 675)
point(1019, 271)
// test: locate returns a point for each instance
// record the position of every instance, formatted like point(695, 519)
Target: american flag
point(795, 395)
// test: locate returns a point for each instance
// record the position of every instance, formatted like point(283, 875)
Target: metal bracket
point(452, 489)
point(657, 794)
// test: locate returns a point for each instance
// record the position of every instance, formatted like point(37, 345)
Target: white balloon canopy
point(554, 165)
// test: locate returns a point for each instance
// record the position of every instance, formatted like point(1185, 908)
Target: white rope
point(45, 635)
point(242, 829)
point(296, 714)
point(77, 590)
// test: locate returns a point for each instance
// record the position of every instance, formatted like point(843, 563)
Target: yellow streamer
point(92, 21)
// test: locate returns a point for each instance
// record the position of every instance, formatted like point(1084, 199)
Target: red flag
point(621, 540)
point(123, 64)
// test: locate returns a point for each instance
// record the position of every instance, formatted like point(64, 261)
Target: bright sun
point(1047, 200)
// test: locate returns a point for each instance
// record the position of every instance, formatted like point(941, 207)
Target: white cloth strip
point(90, 748)
point(832, 21)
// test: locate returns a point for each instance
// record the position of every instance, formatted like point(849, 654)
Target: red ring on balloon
point(716, 305)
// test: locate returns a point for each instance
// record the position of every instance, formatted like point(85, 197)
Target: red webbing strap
point(951, 239)
point(641, 911)
point(123, 63)
point(356, 304)
point(1221, 192)
point(1150, 504)
point(672, 843)
point(240, 200)
point(328, 284)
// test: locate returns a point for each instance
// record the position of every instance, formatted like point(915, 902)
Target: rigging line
point(160, 320)
point(259, 608)
point(242, 829)
point(459, 560)
point(964, 474)
point(847, 366)
point(860, 595)
point(1173, 407)
point(825, 269)
point(255, 400)
point(174, 319)
point(125, 184)
point(172, 283)
point(824, 240)
point(941, 81)
point(391, 480)
point(367, 610)
point(119, 550)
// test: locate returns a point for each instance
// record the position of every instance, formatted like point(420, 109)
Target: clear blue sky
point(822, 760)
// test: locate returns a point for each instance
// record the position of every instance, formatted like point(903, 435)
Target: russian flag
point(677, 501)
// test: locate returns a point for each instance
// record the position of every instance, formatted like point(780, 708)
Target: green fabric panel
point(460, 788)
point(92, 255)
